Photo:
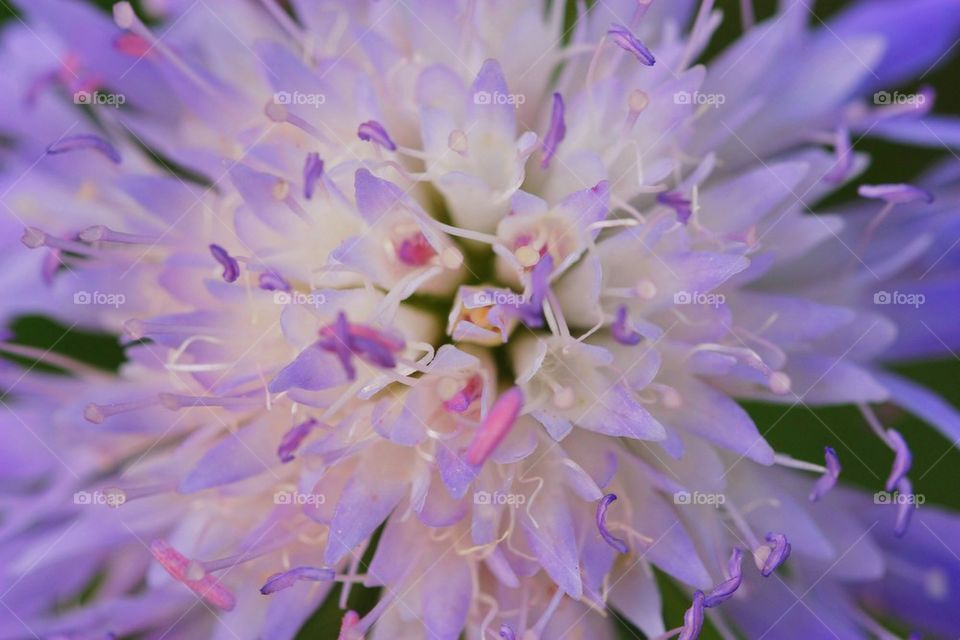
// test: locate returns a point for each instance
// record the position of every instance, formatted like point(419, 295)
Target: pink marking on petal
point(131, 44)
point(415, 250)
point(495, 426)
point(179, 566)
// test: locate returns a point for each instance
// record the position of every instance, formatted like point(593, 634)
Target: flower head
point(408, 295)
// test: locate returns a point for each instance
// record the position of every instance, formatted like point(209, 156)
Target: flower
point(435, 270)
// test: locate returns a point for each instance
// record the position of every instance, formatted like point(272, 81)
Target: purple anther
point(608, 537)
point(231, 268)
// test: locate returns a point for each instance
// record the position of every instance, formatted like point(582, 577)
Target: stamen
point(531, 311)
point(177, 401)
point(608, 537)
point(85, 141)
point(902, 459)
point(137, 329)
point(286, 579)
point(725, 590)
point(186, 572)
point(126, 18)
point(348, 627)
point(270, 281)
point(844, 152)
point(292, 439)
point(461, 400)
point(676, 201)
point(777, 381)
point(231, 268)
point(556, 132)
point(747, 18)
point(527, 256)
point(895, 193)
point(622, 332)
point(373, 131)
point(905, 507)
point(312, 171)
point(625, 39)
point(829, 479)
point(34, 238)
point(100, 233)
point(415, 250)
point(507, 633)
point(693, 618)
point(46, 356)
point(347, 340)
point(281, 115)
point(97, 413)
point(768, 557)
point(495, 427)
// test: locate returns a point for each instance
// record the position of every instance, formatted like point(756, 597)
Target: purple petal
point(610, 539)
point(286, 579)
point(231, 268)
point(85, 141)
point(625, 39)
point(895, 193)
point(312, 370)
point(373, 131)
point(828, 479)
point(623, 333)
point(556, 132)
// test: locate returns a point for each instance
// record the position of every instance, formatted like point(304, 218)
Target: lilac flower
point(447, 354)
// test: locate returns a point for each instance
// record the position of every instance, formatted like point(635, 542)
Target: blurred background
point(797, 430)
